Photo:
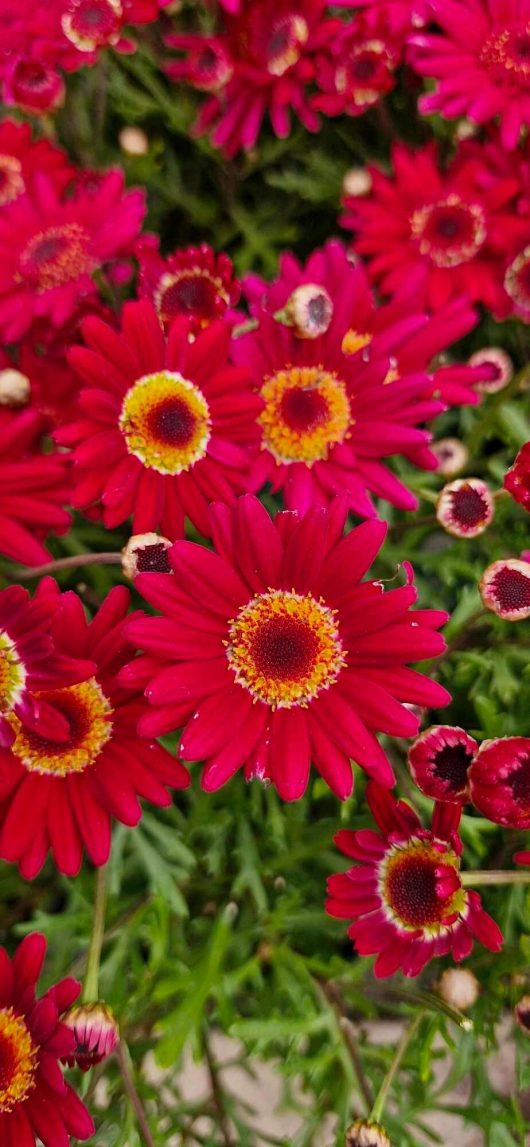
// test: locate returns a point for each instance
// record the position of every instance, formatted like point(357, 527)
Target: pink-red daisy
point(193, 281)
point(275, 635)
point(36, 1103)
point(61, 796)
point(361, 69)
point(33, 487)
point(405, 892)
point(21, 158)
point(165, 425)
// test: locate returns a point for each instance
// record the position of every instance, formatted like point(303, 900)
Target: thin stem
point(26, 573)
point(91, 988)
point(498, 876)
point(217, 1094)
point(347, 1030)
point(122, 1053)
point(408, 1035)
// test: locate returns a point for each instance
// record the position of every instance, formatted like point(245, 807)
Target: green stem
point(498, 876)
point(91, 986)
point(408, 1035)
point(124, 1062)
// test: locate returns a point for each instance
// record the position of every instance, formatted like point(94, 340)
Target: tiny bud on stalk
point(96, 1034)
point(366, 1134)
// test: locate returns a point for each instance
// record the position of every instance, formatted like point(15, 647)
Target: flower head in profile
point(479, 57)
point(517, 478)
point(505, 588)
point(439, 761)
point(194, 282)
point(36, 1103)
point(95, 1031)
point(437, 233)
point(405, 893)
point(366, 1133)
point(62, 795)
point(166, 424)
point(275, 634)
point(50, 248)
point(499, 780)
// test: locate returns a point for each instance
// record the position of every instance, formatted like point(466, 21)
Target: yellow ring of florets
point(19, 1059)
point(312, 443)
point(12, 674)
point(92, 728)
point(146, 400)
point(409, 856)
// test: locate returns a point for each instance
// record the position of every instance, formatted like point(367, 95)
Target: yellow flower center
point(410, 890)
point(285, 648)
point(307, 412)
point(89, 714)
point(18, 1060)
point(166, 422)
point(12, 674)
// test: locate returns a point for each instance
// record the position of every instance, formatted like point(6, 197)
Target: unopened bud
point(95, 1031)
point(357, 181)
point(309, 311)
point(459, 988)
point(452, 456)
point(15, 387)
point(146, 553)
point(465, 508)
point(521, 1012)
point(364, 1133)
point(133, 141)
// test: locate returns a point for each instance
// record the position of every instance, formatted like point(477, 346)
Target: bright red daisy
point(480, 58)
point(361, 70)
point(438, 234)
point(29, 663)
point(21, 158)
point(193, 281)
point(62, 795)
point(165, 425)
point(517, 478)
point(36, 1104)
point(405, 892)
point(499, 780)
point(33, 488)
point(50, 249)
point(261, 62)
point(275, 635)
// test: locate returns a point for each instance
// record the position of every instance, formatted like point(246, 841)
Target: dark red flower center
point(153, 559)
point(469, 507)
point(91, 24)
point(173, 422)
point(449, 232)
point(519, 781)
point(89, 715)
point(304, 409)
point(194, 293)
point(18, 1060)
point(411, 886)
point(33, 79)
point(511, 589)
point(56, 256)
point(450, 764)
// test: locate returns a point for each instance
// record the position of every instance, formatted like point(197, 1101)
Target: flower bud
point(364, 1133)
point(133, 141)
point(357, 181)
point(95, 1031)
point(309, 310)
point(146, 553)
point(517, 478)
point(505, 589)
point(459, 988)
point(465, 508)
point(500, 368)
point(15, 387)
point(452, 456)
point(521, 1013)
point(439, 760)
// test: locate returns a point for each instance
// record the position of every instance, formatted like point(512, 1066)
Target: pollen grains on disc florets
point(146, 553)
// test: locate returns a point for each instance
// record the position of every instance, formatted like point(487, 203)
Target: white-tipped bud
point(146, 553)
point(15, 387)
point(459, 988)
point(356, 182)
point(133, 141)
point(309, 310)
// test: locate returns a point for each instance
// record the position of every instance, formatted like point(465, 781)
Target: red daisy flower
point(517, 478)
point(193, 281)
point(274, 635)
point(517, 287)
point(95, 1032)
point(405, 893)
point(362, 68)
point(481, 62)
point(505, 588)
point(50, 249)
point(88, 26)
point(61, 795)
point(399, 15)
point(439, 761)
point(437, 234)
point(29, 662)
point(36, 1104)
point(499, 781)
point(261, 62)
point(165, 425)
point(21, 159)
point(465, 508)
point(33, 488)
point(32, 84)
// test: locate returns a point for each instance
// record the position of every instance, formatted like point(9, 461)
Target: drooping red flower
point(33, 487)
point(62, 795)
point(439, 761)
point(165, 425)
point(50, 249)
point(437, 233)
point(29, 663)
point(36, 1103)
point(465, 507)
point(499, 780)
point(21, 158)
point(505, 588)
point(194, 282)
point(517, 478)
point(275, 635)
point(260, 62)
point(405, 893)
point(480, 59)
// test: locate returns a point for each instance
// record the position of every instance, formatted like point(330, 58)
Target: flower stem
point(498, 876)
point(122, 1053)
point(91, 986)
point(27, 573)
point(408, 1035)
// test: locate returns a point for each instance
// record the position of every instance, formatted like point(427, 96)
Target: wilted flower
point(499, 780)
point(459, 988)
point(439, 761)
point(465, 508)
point(505, 588)
point(521, 1013)
point(517, 478)
point(500, 367)
point(146, 553)
point(366, 1134)
point(96, 1034)
point(452, 456)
